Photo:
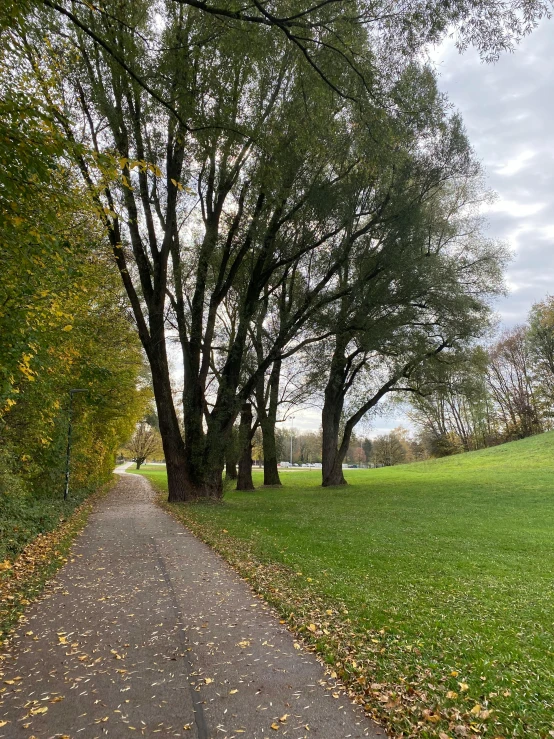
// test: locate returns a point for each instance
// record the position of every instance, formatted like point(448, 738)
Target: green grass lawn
point(430, 587)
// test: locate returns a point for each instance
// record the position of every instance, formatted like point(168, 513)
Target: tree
point(454, 409)
point(423, 291)
point(260, 176)
point(144, 443)
point(209, 151)
point(63, 320)
point(540, 340)
point(511, 383)
point(389, 450)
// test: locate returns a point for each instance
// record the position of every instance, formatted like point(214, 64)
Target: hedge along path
point(147, 630)
point(23, 580)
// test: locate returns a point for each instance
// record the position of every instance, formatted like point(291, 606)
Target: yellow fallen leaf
point(63, 639)
point(187, 727)
point(476, 710)
point(312, 627)
point(275, 726)
point(452, 694)
point(5, 565)
point(57, 699)
point(3, 723)
point(232, 692)
point(463, 687)
point(208, 680)
point(329, 612)
point(284, 718)
point(35, 711)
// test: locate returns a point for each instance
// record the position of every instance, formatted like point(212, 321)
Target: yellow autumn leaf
point(36, 711)
point(275, 726)
point(3, 723)
point(312, 627)
point(463, 687)
point(452, 694)
point(284, 718)
point(476, 710)
point(232, 692)
point(208, 680)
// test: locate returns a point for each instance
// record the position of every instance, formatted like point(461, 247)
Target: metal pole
point(68, 453)
point(291, 429)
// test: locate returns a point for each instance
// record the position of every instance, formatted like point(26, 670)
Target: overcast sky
point(508, 110)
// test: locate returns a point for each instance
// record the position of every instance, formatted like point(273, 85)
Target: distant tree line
point(494, 394)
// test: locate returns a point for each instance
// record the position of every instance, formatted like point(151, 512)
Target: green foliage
point(444, 567)
point(63, 321)
point(23, 515)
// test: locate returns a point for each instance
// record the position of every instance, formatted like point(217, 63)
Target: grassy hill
point(431, 582)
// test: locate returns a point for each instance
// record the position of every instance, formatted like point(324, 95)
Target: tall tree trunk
point(178, 477)
point(268, 418)
point(231, 456)
point(271, 470)
point(244, 480)
point(333, 451)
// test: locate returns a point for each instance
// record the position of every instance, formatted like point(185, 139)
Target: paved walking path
point(146, 631)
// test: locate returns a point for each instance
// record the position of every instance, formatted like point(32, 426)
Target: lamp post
point(291, 431)
point(68, 455)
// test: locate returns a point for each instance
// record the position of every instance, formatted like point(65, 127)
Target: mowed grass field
point(429, 587)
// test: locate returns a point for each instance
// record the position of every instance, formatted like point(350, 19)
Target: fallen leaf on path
point(35, 711)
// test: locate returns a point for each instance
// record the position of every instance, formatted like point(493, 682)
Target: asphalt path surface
point(146, 631)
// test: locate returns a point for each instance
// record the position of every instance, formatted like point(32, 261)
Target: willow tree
point(219, 151)
point(211, 198)
point(432, 276)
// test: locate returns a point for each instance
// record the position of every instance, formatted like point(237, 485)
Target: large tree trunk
point(333, 455)
point(268, 419)
point(231, 456)
point(244, 480)
point(271, 470)
point(178, 478)
point(333, 448)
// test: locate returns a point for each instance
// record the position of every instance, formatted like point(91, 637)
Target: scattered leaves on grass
point(412, 706)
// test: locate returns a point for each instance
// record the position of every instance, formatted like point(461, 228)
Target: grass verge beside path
point(24, 578)
point(427, 587)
